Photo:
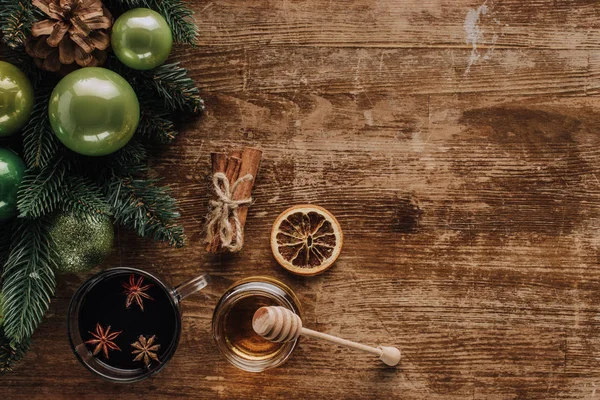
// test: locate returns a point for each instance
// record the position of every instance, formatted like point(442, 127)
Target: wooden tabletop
point(457, 142)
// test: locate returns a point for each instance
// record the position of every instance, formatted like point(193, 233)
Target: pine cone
point(75, 34)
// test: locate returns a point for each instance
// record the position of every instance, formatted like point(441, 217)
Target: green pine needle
point(173, 84)
point(11, 352)
point(83, 198)
point(39, 141)
point(167, 88)
point(16, 20)
point(28, 279)
point(180, 19)
point(148, 209)
point(56, 187)
point(130, 158)
point(5, 236)
point(156, 127)
point(41, 191)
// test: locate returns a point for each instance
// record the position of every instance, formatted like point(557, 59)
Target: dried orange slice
point(306, 239)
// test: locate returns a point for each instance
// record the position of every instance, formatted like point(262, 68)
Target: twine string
point(225, 207)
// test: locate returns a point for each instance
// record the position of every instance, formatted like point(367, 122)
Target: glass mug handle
point(190, 287)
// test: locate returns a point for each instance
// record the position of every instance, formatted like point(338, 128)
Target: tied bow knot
point(224, 207)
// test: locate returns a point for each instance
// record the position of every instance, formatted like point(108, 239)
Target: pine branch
point(39, 141)
point(166, 88)
point(180, 19)
point(179, 92)
point(130, 158)
point(148, 209)
point(83, 198)
point(5, 237)
point(11, 353)
point(28, 279)
point(156, 127)
point(176, 12)
point(41, 191)
point(15, 22)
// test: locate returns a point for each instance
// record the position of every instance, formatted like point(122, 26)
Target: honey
point(239, 335)
point(232, 323)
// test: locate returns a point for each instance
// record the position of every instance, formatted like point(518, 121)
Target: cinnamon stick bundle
point(235, 165)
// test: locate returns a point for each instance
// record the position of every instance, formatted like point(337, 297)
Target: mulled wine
point(129, 321)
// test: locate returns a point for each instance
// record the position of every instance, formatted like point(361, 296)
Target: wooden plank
point(406, 71)
point(402, 24)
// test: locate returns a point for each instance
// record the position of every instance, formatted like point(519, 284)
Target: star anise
point(104, 340)
point(145, 350)
point(135, 291)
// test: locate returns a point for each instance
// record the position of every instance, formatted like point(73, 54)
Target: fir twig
point(58, 187)
point(148, 209)
point(15, 22)
point(167, 88)
point(130, 158)
point(172, 83)
point(11, 352)
point(156, 127)
point(28, 279)
point(41, 191)
point(5, 236)
point(82, 197)
point(39, 141)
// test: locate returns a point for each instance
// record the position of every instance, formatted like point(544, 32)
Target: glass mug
point(232, 323)
point(124, 324)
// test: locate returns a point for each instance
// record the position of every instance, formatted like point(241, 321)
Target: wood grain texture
point(459, 148)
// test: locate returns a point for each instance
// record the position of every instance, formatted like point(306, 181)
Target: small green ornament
point(80, 243)
point(12, 170)
point(94, 111)
point(16, 99)
point(141, 39)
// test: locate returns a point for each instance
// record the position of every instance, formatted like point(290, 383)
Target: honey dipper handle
point(389, 355)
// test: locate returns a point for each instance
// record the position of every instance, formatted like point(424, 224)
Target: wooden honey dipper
point(278, 324)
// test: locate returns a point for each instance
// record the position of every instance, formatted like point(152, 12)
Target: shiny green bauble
point(12, 170)
point(16, 99)
point(94, 111)
point(80, 243)
point(141, 39)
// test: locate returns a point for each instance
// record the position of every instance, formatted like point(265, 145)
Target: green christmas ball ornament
point(94, 111)
point(80, 243)
point(16, 99)
point(141, 39)
point(12, 169)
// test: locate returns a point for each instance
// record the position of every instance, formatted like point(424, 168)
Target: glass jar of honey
point(232, 323)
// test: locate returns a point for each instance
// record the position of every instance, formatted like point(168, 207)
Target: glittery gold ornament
point(80, 243)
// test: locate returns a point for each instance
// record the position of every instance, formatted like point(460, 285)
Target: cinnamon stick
point(231, 172)
point(219, 163)
point(236, 164)
point(250, 164)
point(233, 169)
